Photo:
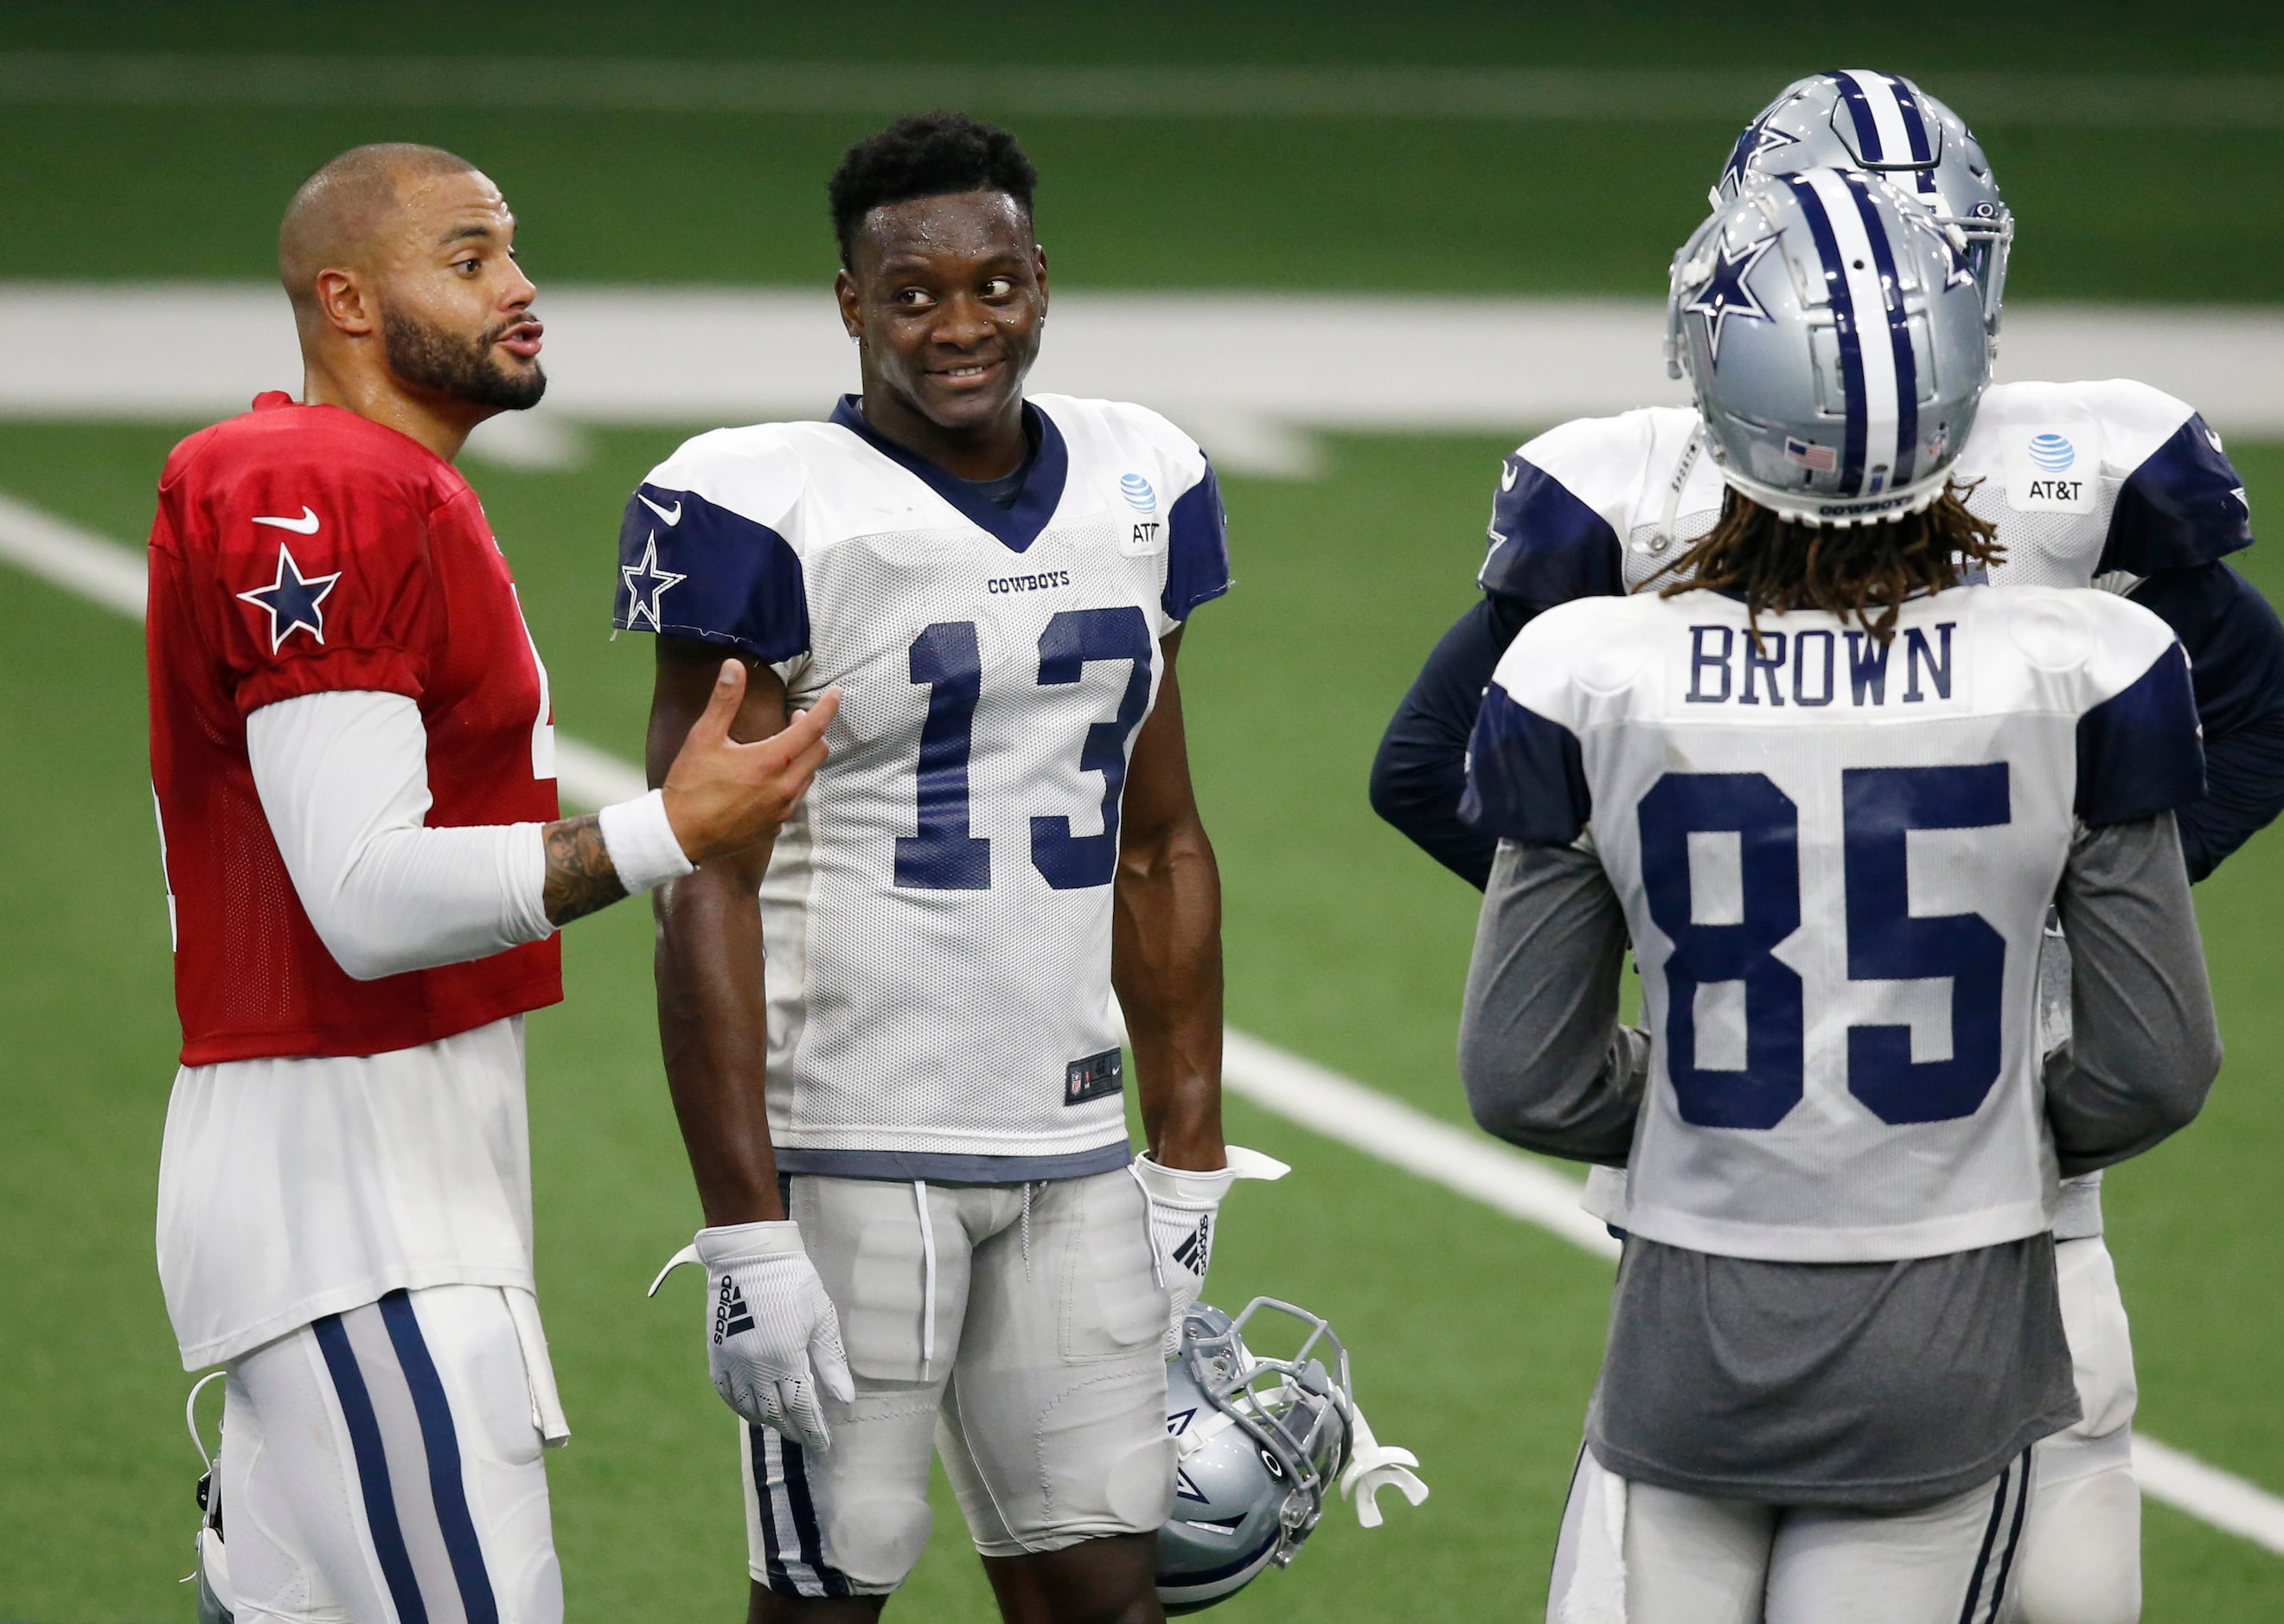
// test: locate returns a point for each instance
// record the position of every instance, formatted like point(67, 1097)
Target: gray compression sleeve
point(1546, 1063)
point(2145, 1045)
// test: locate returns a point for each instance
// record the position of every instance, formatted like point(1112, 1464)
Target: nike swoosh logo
point(674, 518)
point(1507, 477)
point(307, 525)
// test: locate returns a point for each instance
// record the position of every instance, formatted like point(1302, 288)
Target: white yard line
point(1301, 1091)
point(1253, 376)
point(655, 85)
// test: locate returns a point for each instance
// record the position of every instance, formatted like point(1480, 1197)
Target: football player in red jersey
point(353, 756)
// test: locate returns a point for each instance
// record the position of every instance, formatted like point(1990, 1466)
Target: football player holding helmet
point(1259, 1441)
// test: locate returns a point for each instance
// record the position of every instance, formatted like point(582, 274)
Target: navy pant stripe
point(2013, 1536)
point(804, 1520)
point(372, 1470)
point(1982, 1557)
point(443, 1444)
point(772, 1558)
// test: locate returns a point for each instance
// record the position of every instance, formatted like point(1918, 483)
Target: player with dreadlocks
point(1866, 571)
point(2109, 483)
point(1812, 784)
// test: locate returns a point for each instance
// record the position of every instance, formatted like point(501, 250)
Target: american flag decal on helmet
point(1809, 454)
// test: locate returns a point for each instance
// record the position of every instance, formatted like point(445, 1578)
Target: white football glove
point(1184, 1205)
point(771, 1335)
point(1374, 1466)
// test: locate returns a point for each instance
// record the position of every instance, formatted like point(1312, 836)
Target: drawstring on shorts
point(928, 1282)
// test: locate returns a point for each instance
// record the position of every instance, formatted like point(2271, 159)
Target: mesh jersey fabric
point(937, 913)
point(298, 549)
point(1584, 506)
point(1836, 864)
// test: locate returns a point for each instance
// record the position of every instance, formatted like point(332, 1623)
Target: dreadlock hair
point(1865, 571)
point(927, 155)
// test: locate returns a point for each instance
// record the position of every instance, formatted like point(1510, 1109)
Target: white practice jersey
point(1835, 858)
point(2089, 484)
point(937, 915)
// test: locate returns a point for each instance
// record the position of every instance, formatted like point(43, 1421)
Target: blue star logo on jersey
point(293, 602)
point(1726, 295)
point(642, 599)
point(1759, 140)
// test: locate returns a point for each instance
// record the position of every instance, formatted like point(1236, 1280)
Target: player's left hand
point(772, 1336)
point(1184, 1207)
point(723, 796)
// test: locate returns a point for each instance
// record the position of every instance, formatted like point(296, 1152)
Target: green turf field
point(1476, 1338)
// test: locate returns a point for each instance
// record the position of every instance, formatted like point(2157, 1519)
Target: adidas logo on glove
point(1196, 1250)
point(730, 1315)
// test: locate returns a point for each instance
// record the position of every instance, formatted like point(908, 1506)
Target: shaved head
point(348, 211)
point(400, 261)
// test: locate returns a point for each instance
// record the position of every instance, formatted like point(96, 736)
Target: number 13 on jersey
point(947, 659)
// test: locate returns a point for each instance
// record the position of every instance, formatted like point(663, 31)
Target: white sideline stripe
point(1403, 1136)
point(1319, 1099)
point(78, 560)
point(1252, 376)
point(2231, 1503)
point(667, 85)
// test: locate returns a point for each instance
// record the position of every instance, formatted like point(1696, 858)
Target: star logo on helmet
point(1184, 1490)
point(1725, 295)
point(1759, 139)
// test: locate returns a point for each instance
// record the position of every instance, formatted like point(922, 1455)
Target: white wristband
point(640, 839)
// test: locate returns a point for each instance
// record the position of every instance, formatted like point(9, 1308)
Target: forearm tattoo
point(580, 877)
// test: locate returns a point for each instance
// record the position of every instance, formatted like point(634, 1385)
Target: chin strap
point(1374, 1466)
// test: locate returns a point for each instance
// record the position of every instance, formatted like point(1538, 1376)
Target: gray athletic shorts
point(1026, 1350)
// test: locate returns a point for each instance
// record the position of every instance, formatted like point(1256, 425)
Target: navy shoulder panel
point(1547, 546)
point(1197, 549)
point(1526, 779)
point(2138, 750)
point(689, 567)
point(2184, 506)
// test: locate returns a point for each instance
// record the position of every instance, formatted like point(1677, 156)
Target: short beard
point(430, 358)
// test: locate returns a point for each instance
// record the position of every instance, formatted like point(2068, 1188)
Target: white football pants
point(382, 1466)
point(1641, 1555)
point(2080, 1555)
point(2081, 1561)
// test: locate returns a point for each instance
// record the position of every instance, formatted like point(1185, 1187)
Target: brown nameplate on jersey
point(1095, 1077)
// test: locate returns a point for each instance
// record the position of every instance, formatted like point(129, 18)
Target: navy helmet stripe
point(1908, 103)
point(1859, 110)
point(388, 1547)
point(443, 1444)
point(1899, 336)
point(1843, 315)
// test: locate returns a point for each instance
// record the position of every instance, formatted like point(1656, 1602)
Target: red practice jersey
point(299, 549)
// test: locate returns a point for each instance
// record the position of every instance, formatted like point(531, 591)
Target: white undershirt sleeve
point(343, 778)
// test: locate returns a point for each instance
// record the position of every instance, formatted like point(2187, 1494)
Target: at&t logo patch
point(2050, 471)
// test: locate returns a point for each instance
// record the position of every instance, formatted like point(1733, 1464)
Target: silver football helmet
point(1857, 119)
point(1835, 338)
point(1259, 1442)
